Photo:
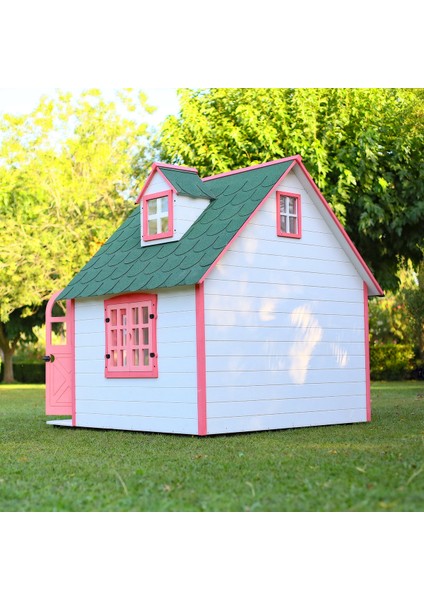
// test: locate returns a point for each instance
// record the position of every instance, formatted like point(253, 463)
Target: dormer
point(171, 200)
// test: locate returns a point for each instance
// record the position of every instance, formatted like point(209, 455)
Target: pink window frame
point(282, 233)
point(166, 234)
point(127, 302)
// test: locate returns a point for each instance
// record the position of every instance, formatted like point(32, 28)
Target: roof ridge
point(161, 165)
point(296, 157)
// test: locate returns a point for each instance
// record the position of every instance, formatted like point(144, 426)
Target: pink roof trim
point(297, 157)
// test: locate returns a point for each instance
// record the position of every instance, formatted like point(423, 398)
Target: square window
point(288, 215)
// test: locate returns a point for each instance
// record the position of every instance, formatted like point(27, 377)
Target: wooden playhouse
point(231, 303)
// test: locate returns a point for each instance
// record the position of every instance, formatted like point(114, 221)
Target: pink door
point(60, 357)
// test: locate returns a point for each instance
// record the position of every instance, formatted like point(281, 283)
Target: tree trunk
point(8, 366)
point(8, 350)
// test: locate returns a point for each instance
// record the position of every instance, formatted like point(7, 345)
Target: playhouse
point(231, 303)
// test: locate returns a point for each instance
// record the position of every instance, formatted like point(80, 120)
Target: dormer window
point(289, 215)
point(158, 217)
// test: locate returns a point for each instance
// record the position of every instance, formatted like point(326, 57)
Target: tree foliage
point(66, 172)
point(363, 147)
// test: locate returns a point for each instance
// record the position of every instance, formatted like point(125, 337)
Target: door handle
point(48, 358)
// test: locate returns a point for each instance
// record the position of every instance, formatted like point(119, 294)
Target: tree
point(363, 147)
point(66, 173)
point(414, 299)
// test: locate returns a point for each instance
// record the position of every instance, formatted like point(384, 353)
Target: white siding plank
point(132, 423)
point(285, 421)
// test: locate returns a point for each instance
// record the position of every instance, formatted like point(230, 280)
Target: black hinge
point(107, 355)
point(152, 316)
point(107, 320)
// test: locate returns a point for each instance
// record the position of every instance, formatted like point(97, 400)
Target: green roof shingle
point(122, 265)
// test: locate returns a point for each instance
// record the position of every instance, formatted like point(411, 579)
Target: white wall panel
point(153, 403)
point(284, 327)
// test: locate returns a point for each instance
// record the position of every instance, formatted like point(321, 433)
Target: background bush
point(28, 371)
point(391, 361)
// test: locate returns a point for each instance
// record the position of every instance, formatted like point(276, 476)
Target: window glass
point(153, 206)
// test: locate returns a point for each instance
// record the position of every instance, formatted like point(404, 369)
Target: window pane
point(292, 206)
point(283, 223)
point(146, 357)
point(164, 205)
point(293, 225)
point(136, 358)
point(115, 358)
point(59, 308)
point(153, 227)
point(135, 316)
point(123, 337)
point(135, 337)
point(114, 337)
point(123, 358)
point(58, 334)
point(152, 207)
point(123, 316)
point(145, 314)
point(164, 224)
point(113, 317)
point(145, 336)
point(282, 204)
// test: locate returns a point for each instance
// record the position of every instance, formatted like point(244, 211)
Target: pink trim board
point(367, 353)
point(201, 359)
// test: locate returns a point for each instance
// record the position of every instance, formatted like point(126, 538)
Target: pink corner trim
point(201, 359)
point(280, 232)
point(367, 354)
point(297, 157)
point(166, 234)
point(341, 229)
point(243, 227)
point(72, 337)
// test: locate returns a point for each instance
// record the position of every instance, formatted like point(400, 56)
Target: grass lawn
point(377, 466)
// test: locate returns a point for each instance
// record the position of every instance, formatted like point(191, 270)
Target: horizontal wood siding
point(166, 404)
point(284, 328)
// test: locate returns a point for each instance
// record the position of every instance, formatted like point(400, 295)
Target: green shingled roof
point(187, 183)
point(123, 265)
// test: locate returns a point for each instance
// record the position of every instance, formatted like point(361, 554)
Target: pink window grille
point(131, 348)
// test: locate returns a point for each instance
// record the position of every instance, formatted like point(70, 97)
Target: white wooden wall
point(186, 210)
point(166, 404)
point(284, 328)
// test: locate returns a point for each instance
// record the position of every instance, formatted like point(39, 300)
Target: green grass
point(377, 466)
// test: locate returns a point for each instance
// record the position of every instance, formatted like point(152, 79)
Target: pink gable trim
point(297, 160)
point(341, 228)
point(157, 167)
